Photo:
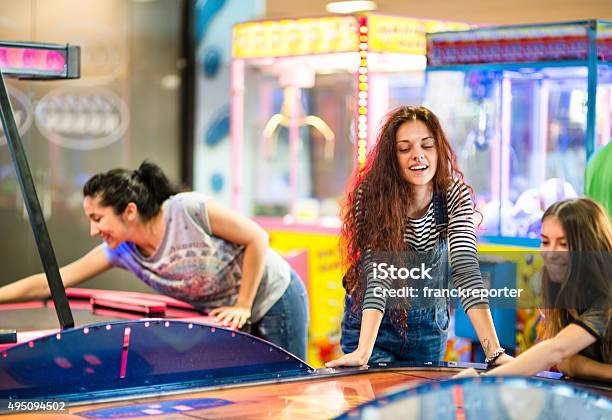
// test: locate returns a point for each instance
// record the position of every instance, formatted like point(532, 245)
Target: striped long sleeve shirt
point(421, 235)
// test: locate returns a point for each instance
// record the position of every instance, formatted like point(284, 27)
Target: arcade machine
point(526, 105)
point(179, 368)
point(307, 99)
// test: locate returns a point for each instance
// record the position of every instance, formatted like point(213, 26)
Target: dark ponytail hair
point(147, 187)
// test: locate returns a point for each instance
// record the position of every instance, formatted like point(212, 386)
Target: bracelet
point(490, 360)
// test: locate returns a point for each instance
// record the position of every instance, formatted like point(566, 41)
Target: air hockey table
point(137, 355)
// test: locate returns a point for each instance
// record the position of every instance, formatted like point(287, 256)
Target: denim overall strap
point(441, 216)
point(440, 213)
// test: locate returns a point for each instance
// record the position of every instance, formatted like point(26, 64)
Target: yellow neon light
point(290, 37)
point(404, 35)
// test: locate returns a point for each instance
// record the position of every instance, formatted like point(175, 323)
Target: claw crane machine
point(525, 106)
point(307, 97)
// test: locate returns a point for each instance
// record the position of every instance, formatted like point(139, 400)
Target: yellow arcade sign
point(334, 34)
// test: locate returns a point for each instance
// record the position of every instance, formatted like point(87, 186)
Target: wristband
point(490, 360)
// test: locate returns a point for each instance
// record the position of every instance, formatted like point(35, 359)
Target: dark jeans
point(286, 323)
point(424, 340)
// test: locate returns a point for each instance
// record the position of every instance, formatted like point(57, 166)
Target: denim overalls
point(426, 333)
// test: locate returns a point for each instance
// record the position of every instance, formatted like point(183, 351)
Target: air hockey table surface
point(180, 364)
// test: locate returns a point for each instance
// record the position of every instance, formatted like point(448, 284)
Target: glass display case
point(524, 107)
point(307, 98)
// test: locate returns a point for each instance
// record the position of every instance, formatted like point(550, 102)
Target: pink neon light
point(31, 59)
point(294, 147)
point(543, 129)
point(237, 130)
point(606, 118)
point(506, 110)
point(124, 355)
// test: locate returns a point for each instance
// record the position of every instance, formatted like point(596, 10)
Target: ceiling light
point(350, 6)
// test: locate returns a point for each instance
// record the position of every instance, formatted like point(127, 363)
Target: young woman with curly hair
point(410, 197)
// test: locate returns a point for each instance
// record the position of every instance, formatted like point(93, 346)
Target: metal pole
point(37, 221)
point(591, 89)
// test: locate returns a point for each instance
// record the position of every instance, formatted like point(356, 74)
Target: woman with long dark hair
point(410, 197)
point(577, 295)
point(186, 246)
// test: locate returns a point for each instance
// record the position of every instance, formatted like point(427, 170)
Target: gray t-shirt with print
point(194, 266)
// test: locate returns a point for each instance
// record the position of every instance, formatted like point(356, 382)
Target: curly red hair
point(377, 204)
